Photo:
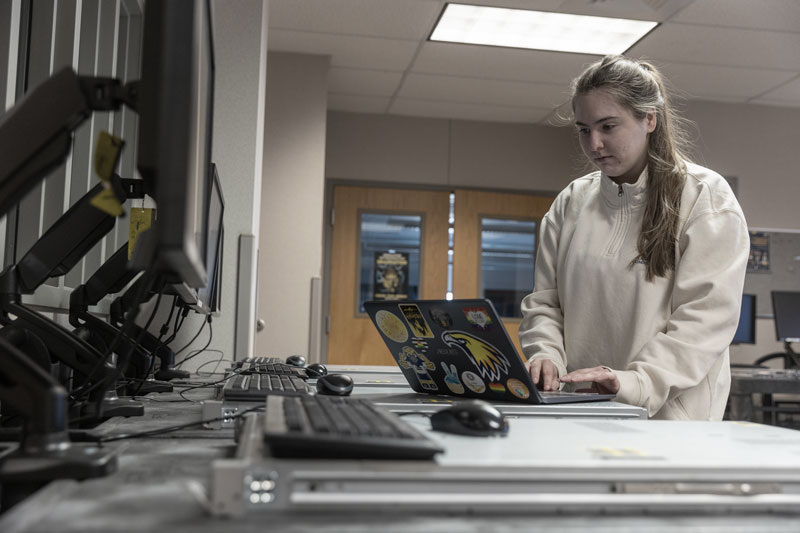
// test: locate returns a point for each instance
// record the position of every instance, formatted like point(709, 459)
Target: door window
point(508, 249)
point(390, 257)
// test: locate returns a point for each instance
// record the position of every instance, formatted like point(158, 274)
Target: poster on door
point(391, 276)
point(759, 252)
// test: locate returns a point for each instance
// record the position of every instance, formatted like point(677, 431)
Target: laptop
point(460, 348)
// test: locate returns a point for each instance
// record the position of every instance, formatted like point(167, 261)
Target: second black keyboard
point(256, 387)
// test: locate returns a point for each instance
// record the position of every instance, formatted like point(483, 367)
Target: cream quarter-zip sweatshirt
point(666, 339)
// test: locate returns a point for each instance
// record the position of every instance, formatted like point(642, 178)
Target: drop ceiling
point(736, 51)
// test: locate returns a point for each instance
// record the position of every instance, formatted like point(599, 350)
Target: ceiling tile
point(482, 91)
point(734, 84)
point(781, 15)
point(409, 19)
point(500, 63)
point(461, 111)
point(346, 51)
point(360, 81)
point(358, 104)
point(787, 94)
point(656, 10)
point(684, 43)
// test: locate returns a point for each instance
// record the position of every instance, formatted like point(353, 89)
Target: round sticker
point(391, 326)
point(518, 389)
point(473, 382)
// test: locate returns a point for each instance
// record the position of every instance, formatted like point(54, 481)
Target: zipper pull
point(620, 189)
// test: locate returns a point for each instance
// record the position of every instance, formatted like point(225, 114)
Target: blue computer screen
point(746, 332)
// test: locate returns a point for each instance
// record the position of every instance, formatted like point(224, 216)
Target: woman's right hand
point(544, 374)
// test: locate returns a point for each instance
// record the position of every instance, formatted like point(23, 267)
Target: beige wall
point(753, 143)
point(293, 187)
point(445, 153)
point(757, 144)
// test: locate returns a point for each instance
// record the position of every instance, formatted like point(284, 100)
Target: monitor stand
point(113, 405)
point(45, 452)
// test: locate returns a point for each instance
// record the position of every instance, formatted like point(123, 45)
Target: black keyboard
point(265, 365)
point(341, 427)
point(250, 387)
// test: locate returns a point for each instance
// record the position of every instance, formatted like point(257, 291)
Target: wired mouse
point(335, 385)
point(473, 417)
point(296, 360)
point(315, 370)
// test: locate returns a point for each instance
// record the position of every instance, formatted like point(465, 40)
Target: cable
point(218, 361)
point(195, 353)
point(164, 328)
point(170, 429)
point(202, 326)
point(130, 318)
point(205, 385)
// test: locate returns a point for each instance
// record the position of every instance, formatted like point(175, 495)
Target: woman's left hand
point(603, 379)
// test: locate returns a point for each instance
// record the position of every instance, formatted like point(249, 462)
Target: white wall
point(292, 201)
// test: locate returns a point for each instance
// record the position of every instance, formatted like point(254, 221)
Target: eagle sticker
point(491, 363)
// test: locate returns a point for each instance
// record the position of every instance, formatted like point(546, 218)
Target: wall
point(292, 201)
point(756, 144)
point(406, 150)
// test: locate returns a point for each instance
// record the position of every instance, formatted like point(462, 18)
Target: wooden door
point(472, 210)
point(352, 338)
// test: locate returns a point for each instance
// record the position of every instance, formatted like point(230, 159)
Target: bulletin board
point(774, 266)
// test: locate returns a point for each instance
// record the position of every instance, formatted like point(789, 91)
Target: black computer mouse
point(315, 370)
point(296, 360)
point(335, 385)
point(473, 417)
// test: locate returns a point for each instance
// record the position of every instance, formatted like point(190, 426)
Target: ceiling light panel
point(538, 30)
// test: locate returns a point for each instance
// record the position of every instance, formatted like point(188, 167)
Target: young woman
point(641, 264)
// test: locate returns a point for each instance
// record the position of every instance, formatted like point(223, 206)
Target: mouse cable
point(217, 361)
point(161, 431)
point(205, 385)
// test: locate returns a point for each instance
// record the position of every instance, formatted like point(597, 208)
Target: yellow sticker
point(141, 220)
point(107, 202)
point(106, 154)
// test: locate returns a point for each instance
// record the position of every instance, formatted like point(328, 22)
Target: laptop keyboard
point(341, 427)
point(250, 387)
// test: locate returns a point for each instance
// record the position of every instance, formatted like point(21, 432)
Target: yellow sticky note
point(141, 220)
point(106, 154)
point(107, 202)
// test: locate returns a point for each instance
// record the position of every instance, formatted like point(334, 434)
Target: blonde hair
point(638, 86)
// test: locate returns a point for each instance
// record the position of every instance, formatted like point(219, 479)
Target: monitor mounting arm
point(36, 134)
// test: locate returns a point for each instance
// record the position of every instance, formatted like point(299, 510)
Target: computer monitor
point(216, 294)
point(216, 209)
point(786, 310)
point(175, 107)
point(746, 331)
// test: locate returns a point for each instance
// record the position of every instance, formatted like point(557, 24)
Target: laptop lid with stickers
point(459, 348)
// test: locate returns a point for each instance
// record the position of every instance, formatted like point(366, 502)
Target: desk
point(163, 483)
point(746, 382)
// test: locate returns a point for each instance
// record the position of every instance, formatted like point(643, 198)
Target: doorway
point(424, 244)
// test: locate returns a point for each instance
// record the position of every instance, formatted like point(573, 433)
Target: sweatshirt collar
point(632, 193)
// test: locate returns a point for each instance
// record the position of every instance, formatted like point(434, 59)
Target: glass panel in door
point(508, 249)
